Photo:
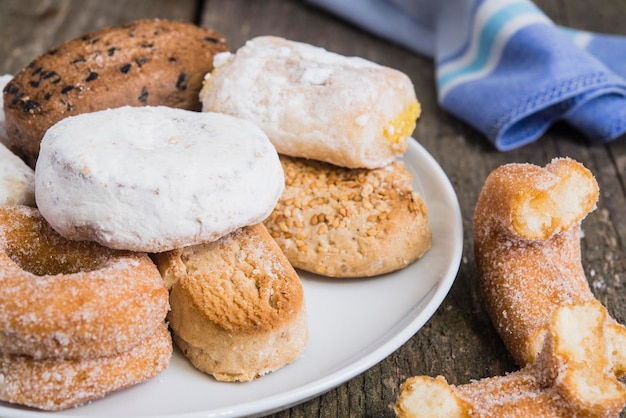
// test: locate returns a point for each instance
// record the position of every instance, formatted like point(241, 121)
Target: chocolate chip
point(147, 45)
point(91, 77)
point(111, 51)
point(34, 84)
point(77, 60)
point(212, 39)
point(143, 97)
point(181, 83)
point(67, 89)
point(30, 105)
point(172, 59)
point(10, 89)
point(141, 61)
point(47, 96)
point(125, 68)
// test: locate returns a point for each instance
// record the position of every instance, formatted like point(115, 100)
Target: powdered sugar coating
point(17, 180)
point(313, 103)
point(155, 178)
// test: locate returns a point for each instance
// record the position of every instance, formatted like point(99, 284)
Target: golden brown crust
point(238, 307)
point(72, 299)
point(573, 376)
point(527, 247)
point(341, 222)
point(143, 62)
point(55, 384)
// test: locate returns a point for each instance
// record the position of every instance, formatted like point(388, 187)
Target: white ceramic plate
point(353, 325)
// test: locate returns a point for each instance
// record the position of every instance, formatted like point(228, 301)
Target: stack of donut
point(527, 228)
point(340, 124)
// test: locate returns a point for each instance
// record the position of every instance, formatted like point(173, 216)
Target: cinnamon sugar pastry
point(575, 375)
point(527, 244)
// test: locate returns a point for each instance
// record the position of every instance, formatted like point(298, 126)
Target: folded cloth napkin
point(504, 67)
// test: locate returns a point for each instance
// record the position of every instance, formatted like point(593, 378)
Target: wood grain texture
point(459, 341)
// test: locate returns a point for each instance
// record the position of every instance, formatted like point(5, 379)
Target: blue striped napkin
point(504, 67)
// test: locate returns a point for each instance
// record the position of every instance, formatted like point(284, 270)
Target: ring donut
point(71, 300)
point(142, 62)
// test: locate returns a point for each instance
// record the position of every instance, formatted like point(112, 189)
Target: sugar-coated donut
point(315, 104)
point(155, 178)
point(238, 309)
point(55, 384)
point(68, 299)
point(142, 62)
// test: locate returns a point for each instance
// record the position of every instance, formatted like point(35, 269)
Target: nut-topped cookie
point(341, 222)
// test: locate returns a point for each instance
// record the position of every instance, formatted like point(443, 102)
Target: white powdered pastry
point(4, 80)
point(314, 103)
point(17, 180)
point(155, 178)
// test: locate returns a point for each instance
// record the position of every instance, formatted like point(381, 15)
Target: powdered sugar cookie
point(155, 178)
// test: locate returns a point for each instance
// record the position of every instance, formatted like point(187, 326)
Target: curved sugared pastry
point(68, 299)
point(238, 309)
point(143, 62)
point(575, 375)
point(54, 384)
point(155, 178)
point(341, 222)
point(527, 247)
point(315, 104)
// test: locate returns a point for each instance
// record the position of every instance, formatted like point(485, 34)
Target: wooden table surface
point(459, 341)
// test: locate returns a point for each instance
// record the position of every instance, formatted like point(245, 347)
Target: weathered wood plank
point(30, 27)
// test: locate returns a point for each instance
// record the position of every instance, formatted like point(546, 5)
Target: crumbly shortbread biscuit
point(142, 62)
point(342, 222)
point(237, 305)
point(153, 179)
point(315, 104)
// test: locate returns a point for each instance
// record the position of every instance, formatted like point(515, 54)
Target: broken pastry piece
point(527, 247)
point(575, 375)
